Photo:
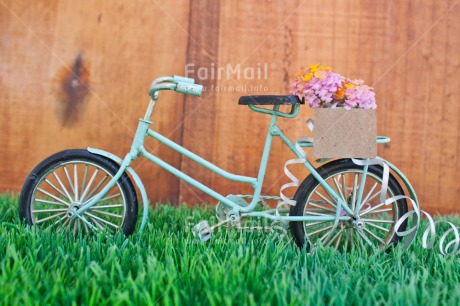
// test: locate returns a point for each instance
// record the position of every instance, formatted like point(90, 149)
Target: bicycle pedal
point(202, 231)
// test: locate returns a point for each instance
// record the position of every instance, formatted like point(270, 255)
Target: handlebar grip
point(190, 89)
point(180, 79)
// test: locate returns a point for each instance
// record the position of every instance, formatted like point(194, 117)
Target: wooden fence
point(408, 51)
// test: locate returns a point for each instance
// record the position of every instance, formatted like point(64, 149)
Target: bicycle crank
point(203, 231)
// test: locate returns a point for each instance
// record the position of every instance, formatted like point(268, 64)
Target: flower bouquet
point(345, 118)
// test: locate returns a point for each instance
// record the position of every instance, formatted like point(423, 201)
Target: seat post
point(263, 160)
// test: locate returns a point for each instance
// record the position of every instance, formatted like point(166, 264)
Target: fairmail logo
point(229, 71)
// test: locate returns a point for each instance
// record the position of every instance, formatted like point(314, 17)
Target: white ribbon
point(451, 247)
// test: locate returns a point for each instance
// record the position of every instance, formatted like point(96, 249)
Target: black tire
point(39, 200)
point(346, 168)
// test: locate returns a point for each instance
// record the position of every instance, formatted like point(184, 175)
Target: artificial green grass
point(165, 265)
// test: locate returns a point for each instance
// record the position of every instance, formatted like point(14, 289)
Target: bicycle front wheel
point(374, 224)
point(70, 179)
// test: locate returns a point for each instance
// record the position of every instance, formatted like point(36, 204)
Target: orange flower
point(340, 93)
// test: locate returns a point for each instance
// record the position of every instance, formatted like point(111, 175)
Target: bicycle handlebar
point(190, 89)
point(181, 79)
point(178, 84)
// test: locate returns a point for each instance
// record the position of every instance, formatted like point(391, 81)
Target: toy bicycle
point(337, 205)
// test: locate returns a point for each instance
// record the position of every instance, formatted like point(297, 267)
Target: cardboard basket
point(340, 133)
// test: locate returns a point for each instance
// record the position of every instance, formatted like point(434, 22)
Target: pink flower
point(359, 96)
point(319, 86)
point(317, 90)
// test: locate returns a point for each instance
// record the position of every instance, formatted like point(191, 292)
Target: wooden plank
point(24, 64)
point(409, 62)
point(124, 47)
point(419, 116)
point(199, 120)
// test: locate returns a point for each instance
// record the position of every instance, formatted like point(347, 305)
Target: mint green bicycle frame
point(187, 86)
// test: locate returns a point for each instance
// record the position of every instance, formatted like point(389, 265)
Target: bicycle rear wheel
point(375, 222)
point(70, 179)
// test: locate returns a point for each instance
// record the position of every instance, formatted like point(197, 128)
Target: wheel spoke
point(75, 176)
point(350, 239)
point(83, 182)
point(360, 239)
point(54, 197)
point(66, 222)
point(103, 199)
point(88, 224)
point(320, 230)
point(91, 180)
point(373, 196)
point(372, 209)
point(57, 189)
point(107, 206)
point(96, 222)
point(336, 183)
point(48, 210)
point(77, 226)
point(377, 226)
point(102, 220)
point(51, 202)
point(318, 202)
point(75, 222)
point(368, 195)
point(86, 227)
point(109, 197)
point(316, 223)
point(365, 238)
point(62, 186)
point(324, 198)
point(90, 196)
point(49, 218)
point(379, 211)
point(375, 236)
point(366, 206)
point(344, 185)
point(377, 220)
point(60, 219)
point(337, 244)
point(335, 237)
point(355, 186)
point(69, 180)
point(309, 212)
point(106, 213)
point(347, 238)
point(325, 235)
point(321, 207)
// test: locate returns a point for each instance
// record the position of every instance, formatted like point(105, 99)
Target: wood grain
point(407, 50)
point(125, 44)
